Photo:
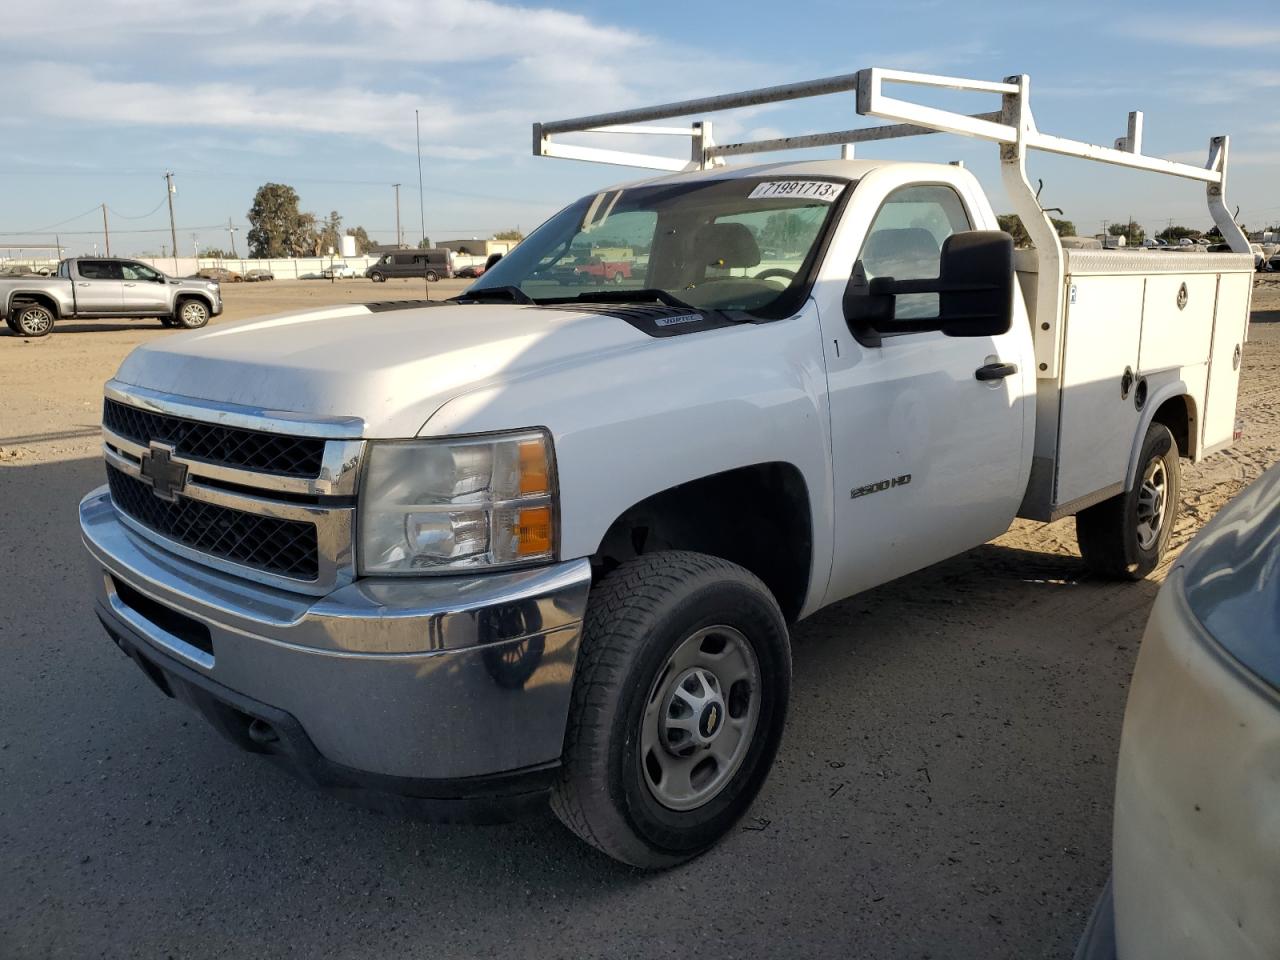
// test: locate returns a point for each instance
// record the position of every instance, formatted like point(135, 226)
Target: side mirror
point(974, 287)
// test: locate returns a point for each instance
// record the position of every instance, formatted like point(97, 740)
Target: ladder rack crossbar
point(1012, 128)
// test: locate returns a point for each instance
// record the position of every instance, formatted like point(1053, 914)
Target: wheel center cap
point(712, 719)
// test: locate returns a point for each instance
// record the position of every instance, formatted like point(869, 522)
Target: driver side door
point(145, 290)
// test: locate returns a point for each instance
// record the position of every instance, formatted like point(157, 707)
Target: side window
point(99, 270)
point(905, 241)
point(137, 271)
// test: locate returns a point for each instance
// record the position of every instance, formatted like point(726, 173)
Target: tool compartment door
point(1177, 320)
point(1097, 420)
point(1230, 321)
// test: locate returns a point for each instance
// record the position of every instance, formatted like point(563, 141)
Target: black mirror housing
point(976, 281)
point(974, 286)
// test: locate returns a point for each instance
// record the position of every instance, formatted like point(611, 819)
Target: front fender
point(635, 423)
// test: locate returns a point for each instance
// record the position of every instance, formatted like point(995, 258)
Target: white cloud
point(1204, 32)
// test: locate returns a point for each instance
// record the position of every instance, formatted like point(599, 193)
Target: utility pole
point(399, 234)
point(173, 231)
point(106, 232)
point(422, 214)
point(231, 232)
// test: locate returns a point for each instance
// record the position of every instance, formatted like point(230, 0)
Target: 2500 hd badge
point(901, 481)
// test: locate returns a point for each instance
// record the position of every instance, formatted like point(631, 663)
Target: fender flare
point(41, 295)
point(1155, 401)
point(191, 295)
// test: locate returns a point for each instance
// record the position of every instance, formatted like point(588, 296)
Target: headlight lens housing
point(435, 506)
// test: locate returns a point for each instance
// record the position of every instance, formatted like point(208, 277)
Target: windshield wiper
point(509, 293)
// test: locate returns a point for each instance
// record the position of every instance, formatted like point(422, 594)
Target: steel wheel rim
point(37, 321)
point(192, 313)
point(700, 718)
point(1152, 502)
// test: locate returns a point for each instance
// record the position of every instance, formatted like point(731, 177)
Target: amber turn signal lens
point(533, 468)
point(533, 531)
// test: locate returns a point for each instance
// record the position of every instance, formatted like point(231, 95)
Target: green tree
point(329, 233)
point(1173, 234)
point(1012, 225)
point(277, 228)
point(513, 235)
point(424, 243)
point(362, 239)
point(1131, 231)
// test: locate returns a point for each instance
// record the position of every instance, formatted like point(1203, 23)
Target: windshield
point(737, 244)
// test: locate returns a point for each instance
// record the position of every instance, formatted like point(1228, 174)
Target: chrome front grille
point(213, 442)
point(267, 496)
point(284, 547)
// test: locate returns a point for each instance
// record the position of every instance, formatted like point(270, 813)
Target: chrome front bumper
point(439, 679)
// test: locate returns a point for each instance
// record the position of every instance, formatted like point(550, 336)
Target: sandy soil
point(943, 789)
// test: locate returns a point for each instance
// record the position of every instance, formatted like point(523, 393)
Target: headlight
point(431, 506)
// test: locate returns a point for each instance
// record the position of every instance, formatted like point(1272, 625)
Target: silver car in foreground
point(1196, 848)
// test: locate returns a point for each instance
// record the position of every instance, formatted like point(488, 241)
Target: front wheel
point(34, 320)
point(192, 314)
point(432, 276)
point(377, 277)
point(619, 279)
point(678, 707)
point(1126, 536)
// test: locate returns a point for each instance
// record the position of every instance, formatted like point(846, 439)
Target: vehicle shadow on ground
point(121, 795)
point(89, 326)
point(1265, 316)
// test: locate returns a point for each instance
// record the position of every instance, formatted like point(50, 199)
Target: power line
point(94, 209)
point(144, 216)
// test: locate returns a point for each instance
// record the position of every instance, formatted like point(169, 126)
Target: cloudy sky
point(101, 98)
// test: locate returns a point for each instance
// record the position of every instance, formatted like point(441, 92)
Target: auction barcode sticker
point(823, 190)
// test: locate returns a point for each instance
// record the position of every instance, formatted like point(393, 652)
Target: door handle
point(130, 284)
point(995, 371)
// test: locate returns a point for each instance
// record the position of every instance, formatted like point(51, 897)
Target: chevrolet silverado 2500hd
point(546, 541)
point(90, 288)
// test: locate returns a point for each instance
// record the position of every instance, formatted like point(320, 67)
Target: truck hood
point(393, 368)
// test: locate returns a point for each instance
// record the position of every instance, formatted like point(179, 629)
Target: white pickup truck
point(547, 539)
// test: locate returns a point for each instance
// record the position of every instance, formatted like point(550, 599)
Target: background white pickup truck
point(547, 538)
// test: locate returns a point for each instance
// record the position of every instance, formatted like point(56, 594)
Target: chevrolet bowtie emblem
point(166, 477)
point(713, 718)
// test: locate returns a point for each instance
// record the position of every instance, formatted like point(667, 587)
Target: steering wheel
point(775, 272)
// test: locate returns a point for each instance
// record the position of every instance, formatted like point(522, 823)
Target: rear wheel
point(192, 314)
point(33, 320)
point(618, 278)
point(678, 707)
point(1126, 536)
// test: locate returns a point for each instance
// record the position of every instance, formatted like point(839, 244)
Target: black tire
point(432, 276)
point(1112, 536)
point(191, 314)
point(619, 279)
point(377, 277)
point(638, 617)
point(34, 320)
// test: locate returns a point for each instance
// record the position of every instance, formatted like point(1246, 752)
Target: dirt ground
point(944, 787)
